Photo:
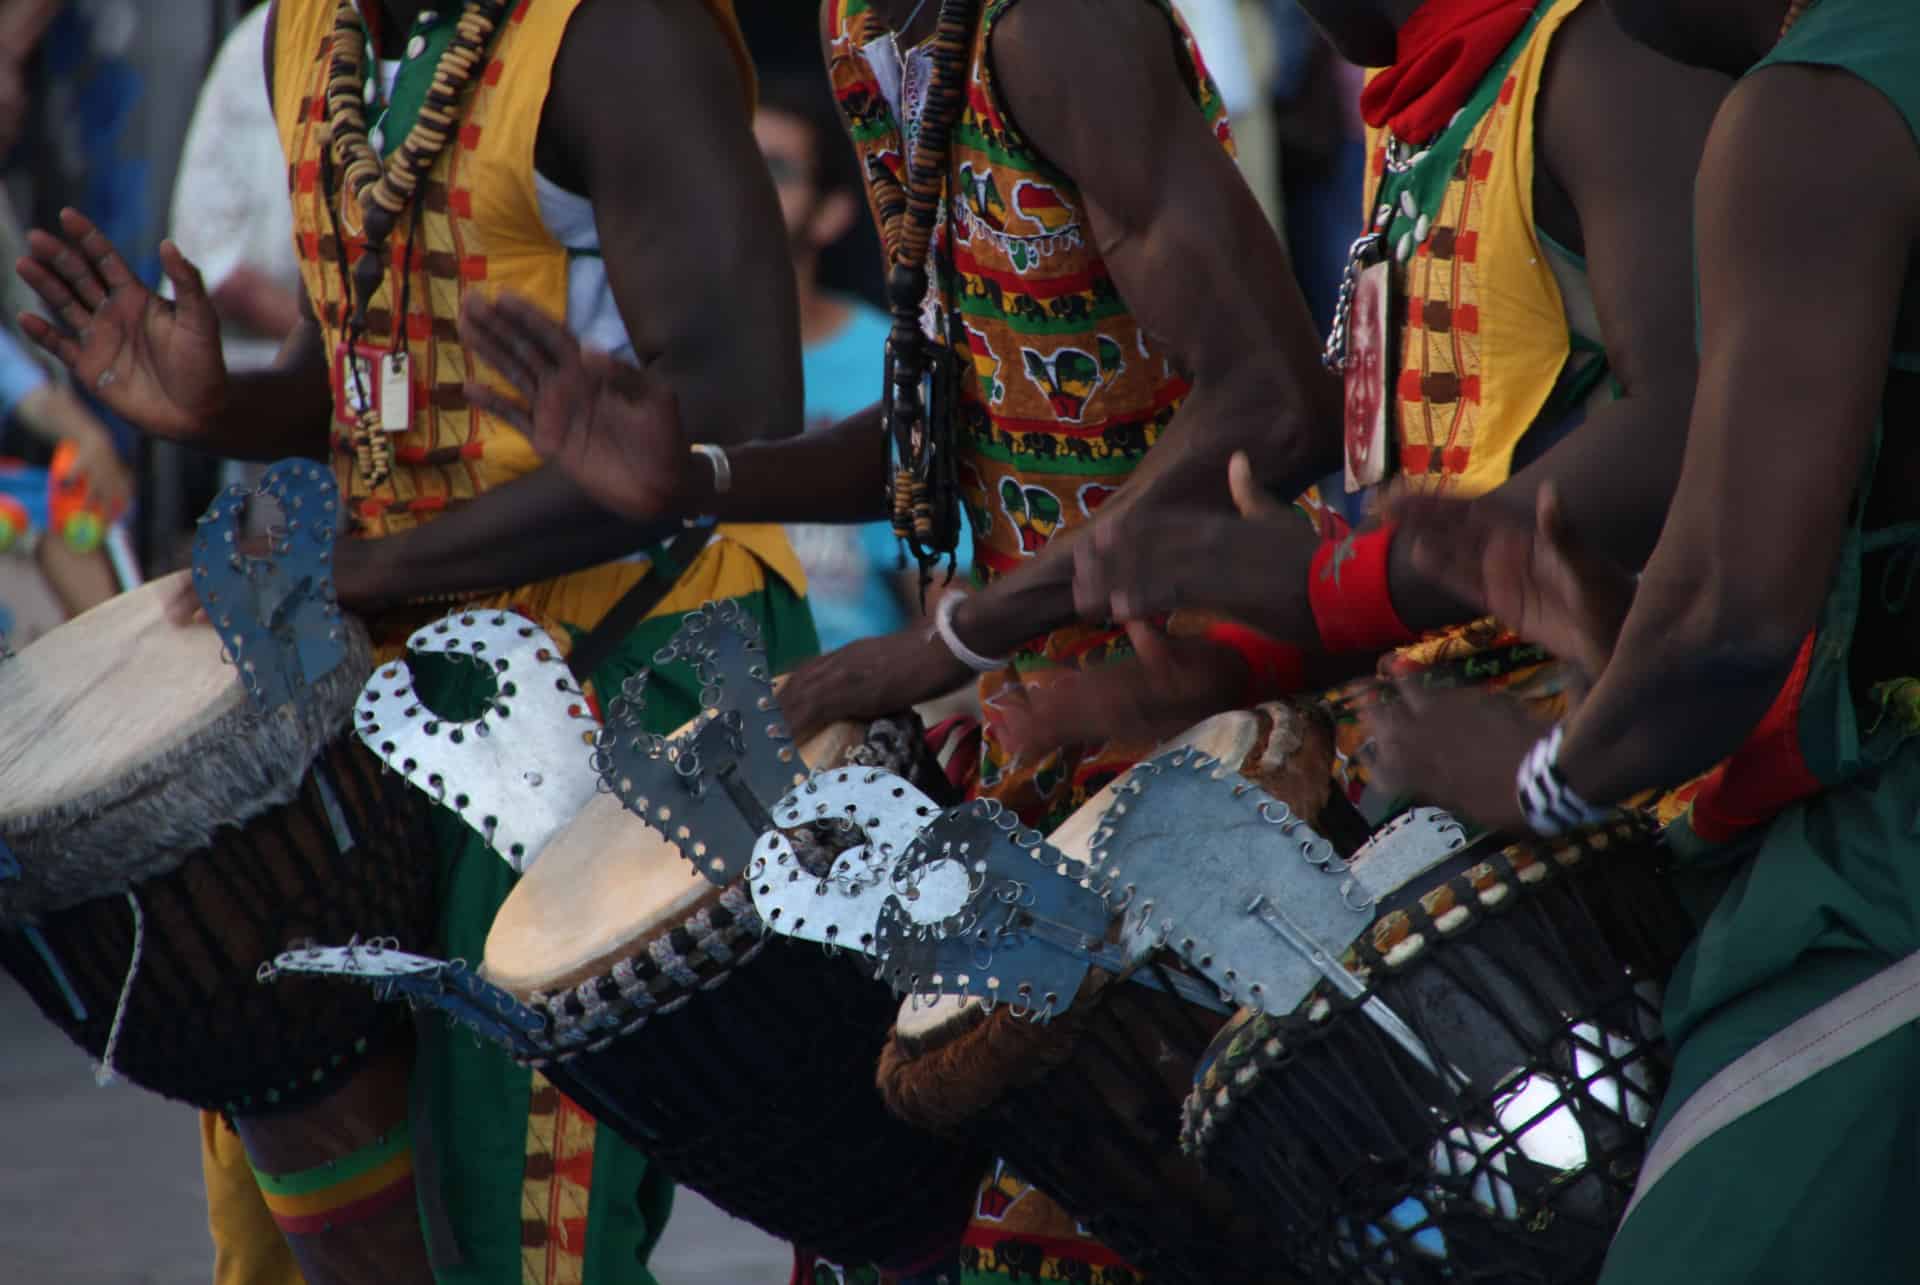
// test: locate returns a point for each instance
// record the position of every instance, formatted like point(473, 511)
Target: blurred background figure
point(43, 579)
point(855, 583)
point(1320, 149)
point(232, 220)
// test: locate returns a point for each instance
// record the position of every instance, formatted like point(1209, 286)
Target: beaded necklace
point(920, 432)
point(1796, 10)
point(384, 192)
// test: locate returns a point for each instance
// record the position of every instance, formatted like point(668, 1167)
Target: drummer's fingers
point(62, 347)
point(492, 342)
point(511, 410)
point(184, 608)
point(1089, 579)
point(53, 291)
point(1252, 499)
point(65, 259)
point(99, 251)
point(546, 339)
point(1151, 646)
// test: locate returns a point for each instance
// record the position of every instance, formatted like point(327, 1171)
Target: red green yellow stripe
point(345, 1191)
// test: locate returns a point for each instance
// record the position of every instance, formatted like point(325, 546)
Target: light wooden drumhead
point(603, 885)
point(104, 694)
point(929, 1022)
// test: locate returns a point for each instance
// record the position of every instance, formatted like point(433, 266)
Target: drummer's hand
point(1456, 747)
point(154, 362)
point(869, 679)
point(1253, 567)
point(613, 428)
point(1533, 575)
point(1169, 685)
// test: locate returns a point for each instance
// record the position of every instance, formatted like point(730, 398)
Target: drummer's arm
point(1809, 200)
point(1196, 261)
point(696, 254)
point(1629, 175)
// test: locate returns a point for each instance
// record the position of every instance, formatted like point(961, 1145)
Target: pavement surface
point(101, 1186)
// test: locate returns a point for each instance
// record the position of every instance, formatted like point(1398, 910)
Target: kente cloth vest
point(1067, 391)
point(478, 226)
point(1484, 338)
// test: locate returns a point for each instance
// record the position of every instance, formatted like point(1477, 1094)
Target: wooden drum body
point(1086, 1106)
point(170, 840)
point(742, 1063)
point(1504, 1145)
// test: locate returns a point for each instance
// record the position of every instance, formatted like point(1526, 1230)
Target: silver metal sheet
point(709, 789)
point(517, 772)
point(275, 615)
point(842, 908)
point(450, 987)
point(1202, 862)
point(1025, 932)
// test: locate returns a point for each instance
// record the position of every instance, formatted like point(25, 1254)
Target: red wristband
point(1274, 668)
point(1348, 590)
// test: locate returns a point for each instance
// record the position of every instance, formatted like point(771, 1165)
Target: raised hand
point(1253, 566)
point(1533, 575)
point(613, 428)
point(1170, 684)
point(155, 363)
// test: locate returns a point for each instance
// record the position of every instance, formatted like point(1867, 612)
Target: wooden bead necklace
point(384, 191)
point(924, 495)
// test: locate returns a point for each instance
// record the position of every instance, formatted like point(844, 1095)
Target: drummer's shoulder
point(1666, 112)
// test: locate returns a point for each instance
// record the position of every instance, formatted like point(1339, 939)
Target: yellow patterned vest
point(1485, 337)
point(479, 228)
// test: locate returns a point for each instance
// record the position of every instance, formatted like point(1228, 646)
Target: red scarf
point(1443, 53)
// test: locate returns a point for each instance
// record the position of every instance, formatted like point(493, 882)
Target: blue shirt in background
point(20, 375)
point(851, 570)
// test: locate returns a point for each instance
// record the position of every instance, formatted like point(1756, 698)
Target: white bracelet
point(722, 466)
point(1551, 806)
point(943, 630)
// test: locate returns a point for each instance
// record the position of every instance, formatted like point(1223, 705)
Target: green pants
point(1817, 1184)
point(474, 1099)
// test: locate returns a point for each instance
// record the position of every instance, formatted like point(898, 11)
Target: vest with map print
point(1067, 391)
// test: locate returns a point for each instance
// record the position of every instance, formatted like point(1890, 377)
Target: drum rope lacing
point(104, 1074)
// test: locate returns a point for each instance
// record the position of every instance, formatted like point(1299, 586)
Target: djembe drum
point(741, 1062)
point(169, 837)
point(1492, 1127)
point(1086, 1105)
point(161, 838)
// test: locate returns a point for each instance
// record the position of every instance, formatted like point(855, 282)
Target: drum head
point(104, 693)
point(128, 742)
point(606, 884)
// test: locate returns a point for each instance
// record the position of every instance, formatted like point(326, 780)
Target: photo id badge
point(357, 389)
point(1369, 377)
point(373, 379)
point(396, 392)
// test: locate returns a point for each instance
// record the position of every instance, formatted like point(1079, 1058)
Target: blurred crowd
point(153, 120)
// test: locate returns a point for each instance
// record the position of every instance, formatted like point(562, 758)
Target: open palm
point(613, 428)
point(154, 362)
